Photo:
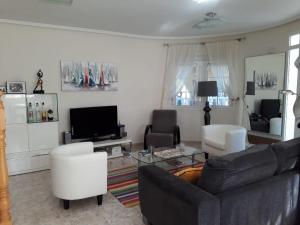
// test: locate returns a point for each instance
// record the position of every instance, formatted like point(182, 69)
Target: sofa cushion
point(238, 169)
point(273, 201)
point(288, 154)
point(190, 175)
point(160, 140)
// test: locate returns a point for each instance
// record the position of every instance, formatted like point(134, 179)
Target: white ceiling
point(159, 18)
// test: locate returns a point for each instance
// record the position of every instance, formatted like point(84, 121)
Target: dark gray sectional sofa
point(259, 186)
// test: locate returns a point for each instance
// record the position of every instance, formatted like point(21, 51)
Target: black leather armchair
point(163, 131)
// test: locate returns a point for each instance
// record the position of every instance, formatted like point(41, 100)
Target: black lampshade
point(207, 88)
point(250, 89)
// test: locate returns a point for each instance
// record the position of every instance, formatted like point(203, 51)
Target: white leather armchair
point(222, 139)
point(78, 172)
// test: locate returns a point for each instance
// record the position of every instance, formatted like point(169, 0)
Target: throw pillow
point(190, 175)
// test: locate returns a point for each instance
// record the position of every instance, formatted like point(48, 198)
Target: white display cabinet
point(28, 143)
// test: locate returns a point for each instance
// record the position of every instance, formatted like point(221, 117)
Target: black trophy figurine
point(39, 83)
point(206, 109)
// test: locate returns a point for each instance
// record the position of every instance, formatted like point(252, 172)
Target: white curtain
point(180, 61)
point(225, 58)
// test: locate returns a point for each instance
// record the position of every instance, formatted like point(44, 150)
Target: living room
point(158, 54)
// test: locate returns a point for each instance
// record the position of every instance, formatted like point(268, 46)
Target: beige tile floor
point(32, 203)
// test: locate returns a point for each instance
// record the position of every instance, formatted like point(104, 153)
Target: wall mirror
point(263, 101)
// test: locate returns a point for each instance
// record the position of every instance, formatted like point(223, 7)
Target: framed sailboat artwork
point(89, 76)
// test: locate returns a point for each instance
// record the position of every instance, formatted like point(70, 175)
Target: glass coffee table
point(189, 156)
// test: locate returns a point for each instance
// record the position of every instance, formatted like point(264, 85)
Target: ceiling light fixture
point(210, 20)
point(200, 1)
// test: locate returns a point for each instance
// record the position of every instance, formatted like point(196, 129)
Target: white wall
point(25, 49)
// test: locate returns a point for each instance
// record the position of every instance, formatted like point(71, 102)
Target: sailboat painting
point(88, 76)
point(265, 80)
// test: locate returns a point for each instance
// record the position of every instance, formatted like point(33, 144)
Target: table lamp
point(207, 89)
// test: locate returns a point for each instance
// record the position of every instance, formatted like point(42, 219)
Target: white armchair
point(78, 172)
point(222, 139)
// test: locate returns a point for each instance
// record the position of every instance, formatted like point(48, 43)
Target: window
point(291, 84)
point(222, 100)
point(187, 94)
point(294, 40)
point(184, 97)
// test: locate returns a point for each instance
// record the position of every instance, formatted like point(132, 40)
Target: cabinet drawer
point(28, 164)
point(43, 136)
point(16, 138)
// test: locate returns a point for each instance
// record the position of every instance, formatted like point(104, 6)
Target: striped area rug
point(123, 184)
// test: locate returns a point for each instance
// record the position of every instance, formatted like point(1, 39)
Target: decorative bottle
point(44, 113)
point(30, 113)
point(37, 112)
point(50, 115)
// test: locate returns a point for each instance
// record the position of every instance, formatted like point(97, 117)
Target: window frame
point(200, 100)
point(289, 122)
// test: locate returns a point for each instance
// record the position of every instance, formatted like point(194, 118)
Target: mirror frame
point(283, 103)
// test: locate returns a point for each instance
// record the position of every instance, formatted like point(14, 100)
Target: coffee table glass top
point(187, 152)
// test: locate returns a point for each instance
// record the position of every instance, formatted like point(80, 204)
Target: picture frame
point(15, 87)
point(3, 89)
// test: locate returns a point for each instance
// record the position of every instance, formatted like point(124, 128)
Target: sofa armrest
point(167, 200)
point(235, 140)
point(176, 133)
point(147, 130)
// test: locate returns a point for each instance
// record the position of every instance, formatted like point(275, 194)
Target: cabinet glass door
point(42, 108)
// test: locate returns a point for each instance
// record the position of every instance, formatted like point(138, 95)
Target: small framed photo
point(3, 89)
point(16, 87)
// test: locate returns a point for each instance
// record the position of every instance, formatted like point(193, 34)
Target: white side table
point(275, 126)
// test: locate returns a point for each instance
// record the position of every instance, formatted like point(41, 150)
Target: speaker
point(121, 131)
point(67, 137)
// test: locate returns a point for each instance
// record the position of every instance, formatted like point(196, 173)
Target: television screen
point(93, 122)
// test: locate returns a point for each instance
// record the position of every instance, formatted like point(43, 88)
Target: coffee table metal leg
point(193, 160)
point(127, 151)
point(130, 147)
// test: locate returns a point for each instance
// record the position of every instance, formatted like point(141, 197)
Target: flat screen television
point(94, 122)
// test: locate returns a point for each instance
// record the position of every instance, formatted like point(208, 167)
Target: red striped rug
point(123, 184)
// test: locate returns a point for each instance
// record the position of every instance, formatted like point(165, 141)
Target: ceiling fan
point(209, 21)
